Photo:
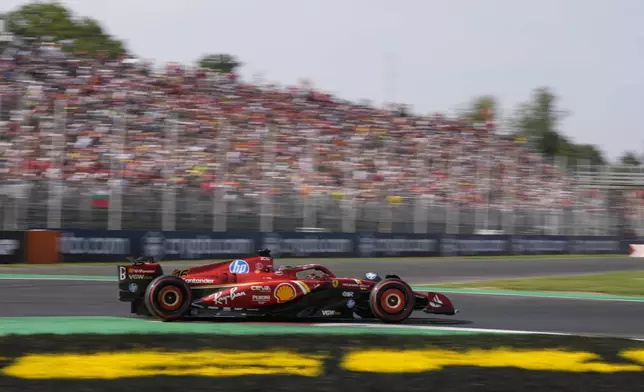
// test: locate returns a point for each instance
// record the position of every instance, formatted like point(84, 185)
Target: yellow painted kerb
point(414, 361)
point(112, 365)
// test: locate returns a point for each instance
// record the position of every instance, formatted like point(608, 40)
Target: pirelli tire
point(168, 297)
point(392, 300)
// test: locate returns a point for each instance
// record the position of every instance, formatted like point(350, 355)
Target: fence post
point(384, 216)
point(169, 198)
point(266, 212)
point(349, 213)
point(220, 204)
point(452, 217)
point(309, 212)
point(421, 215)
point(10, 208)
point(267, 208)
point(56, 184)
point(640, 200)
point(115, 208)
point(169, 208)
point(84, 208)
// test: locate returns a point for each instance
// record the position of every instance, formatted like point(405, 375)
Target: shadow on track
point(417, 321)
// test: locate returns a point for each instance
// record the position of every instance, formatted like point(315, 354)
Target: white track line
point(455, 329)
point(479, 330)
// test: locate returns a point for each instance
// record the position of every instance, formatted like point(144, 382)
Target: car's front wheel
point(392, 300)
point(168, 297)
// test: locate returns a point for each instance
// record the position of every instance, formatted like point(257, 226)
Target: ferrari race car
point(251, 288)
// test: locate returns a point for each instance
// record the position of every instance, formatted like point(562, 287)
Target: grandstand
point(88, 143)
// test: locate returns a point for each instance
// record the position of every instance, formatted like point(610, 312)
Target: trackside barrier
point(12, 247)
point(85, 245)
point(42, 247)
point(82, 245)
point(30, 246)
point(636, 250)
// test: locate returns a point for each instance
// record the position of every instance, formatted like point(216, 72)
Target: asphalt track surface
point(611, 318)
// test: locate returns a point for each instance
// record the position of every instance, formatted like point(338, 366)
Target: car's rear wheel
point(168, 297)
point(392, 300)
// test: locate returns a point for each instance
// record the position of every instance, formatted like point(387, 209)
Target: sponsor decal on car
point(356, 286)
point(122, 273)
point(180, 272)
point(200, 281)
point(134, 270)
point(284, 292)
point(133, 287)
point(435, 302)
point(259, 266)
point(303, 286)
point(330, 313)
point(139, 277)
point(347, 294)
point(335, 283)
point(261, 298)
point(260, 288)
point(220, 299)
point(351, 303)
point(239, 267)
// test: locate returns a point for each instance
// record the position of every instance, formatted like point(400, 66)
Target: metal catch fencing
point(46, 204)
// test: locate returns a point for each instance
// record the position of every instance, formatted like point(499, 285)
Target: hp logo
point(239, 267)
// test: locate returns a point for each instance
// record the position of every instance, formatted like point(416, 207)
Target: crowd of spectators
point(205, 130)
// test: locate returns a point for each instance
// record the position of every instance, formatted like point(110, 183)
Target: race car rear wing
point(133, 279)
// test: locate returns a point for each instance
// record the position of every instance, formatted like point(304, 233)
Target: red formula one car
point(251, 288)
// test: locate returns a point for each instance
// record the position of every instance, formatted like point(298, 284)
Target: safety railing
point(76, 205)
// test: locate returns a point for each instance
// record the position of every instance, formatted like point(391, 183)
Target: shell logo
point(284, 292)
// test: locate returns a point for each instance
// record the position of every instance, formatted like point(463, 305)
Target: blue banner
point(116, 245)
point(105, 245)
point(310, 244)
point(475, 245)
point(397, 245)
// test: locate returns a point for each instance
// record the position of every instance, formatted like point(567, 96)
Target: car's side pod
point(133, 280)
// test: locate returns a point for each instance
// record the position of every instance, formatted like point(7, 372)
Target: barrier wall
point(103, 245)
point(42, 247)
point(51, 246)
point(12, 247)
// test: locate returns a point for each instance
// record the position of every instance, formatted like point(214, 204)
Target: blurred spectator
point(252, 138)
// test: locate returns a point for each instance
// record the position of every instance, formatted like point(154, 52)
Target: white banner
point(636, 250)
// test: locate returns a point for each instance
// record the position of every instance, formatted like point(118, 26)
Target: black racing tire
point(392, 300)
point(168, 297)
